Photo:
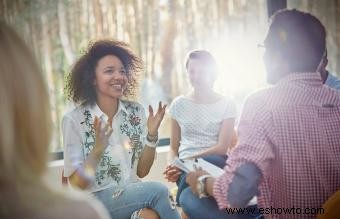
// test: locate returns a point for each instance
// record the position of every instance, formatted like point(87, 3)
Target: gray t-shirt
point(200, 123)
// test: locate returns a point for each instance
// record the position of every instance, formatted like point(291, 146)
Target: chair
point(64, 180)
point(331, 207)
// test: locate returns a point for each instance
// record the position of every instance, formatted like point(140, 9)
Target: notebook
point(189, 165)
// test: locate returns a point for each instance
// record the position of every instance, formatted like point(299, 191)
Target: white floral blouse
point(119, 160)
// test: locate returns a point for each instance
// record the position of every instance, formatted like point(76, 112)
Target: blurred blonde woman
point(24, 139)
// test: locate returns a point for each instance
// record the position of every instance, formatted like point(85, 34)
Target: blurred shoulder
point(75, 204)
point(259, 96)
point(257, 103)
point(49, 202)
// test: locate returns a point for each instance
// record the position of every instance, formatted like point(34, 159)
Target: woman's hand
point(154, 121)
point(84, 175)
point(172, 173)
point(103, 132)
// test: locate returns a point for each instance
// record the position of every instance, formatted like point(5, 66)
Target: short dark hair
point(300, 37)
point(204, 56)
point(80, 86)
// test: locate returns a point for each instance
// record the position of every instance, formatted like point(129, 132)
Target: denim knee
point(160, 190)
point(161, 201)
point(188, 200)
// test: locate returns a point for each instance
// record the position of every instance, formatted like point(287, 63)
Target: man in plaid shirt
point(288, 154)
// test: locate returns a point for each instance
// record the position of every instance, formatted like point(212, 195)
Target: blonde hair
point(25, 113)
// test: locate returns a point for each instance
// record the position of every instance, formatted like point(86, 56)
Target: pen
point(195, 164)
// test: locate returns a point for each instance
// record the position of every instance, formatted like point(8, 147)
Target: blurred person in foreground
point(25, 131)
point(289, 137)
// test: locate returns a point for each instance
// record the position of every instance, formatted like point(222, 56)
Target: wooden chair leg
point(183, 215)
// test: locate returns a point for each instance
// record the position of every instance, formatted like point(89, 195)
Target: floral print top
point(118, 164)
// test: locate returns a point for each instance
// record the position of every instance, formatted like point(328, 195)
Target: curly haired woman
point(109, 141)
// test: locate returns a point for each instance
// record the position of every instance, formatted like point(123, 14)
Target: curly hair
point(80, 86)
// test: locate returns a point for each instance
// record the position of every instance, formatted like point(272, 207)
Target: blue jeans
point(204, 208)
point(136, 196)
point(218, 160)
point(196, 208)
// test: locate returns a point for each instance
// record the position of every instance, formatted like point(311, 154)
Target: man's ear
point(325, 62)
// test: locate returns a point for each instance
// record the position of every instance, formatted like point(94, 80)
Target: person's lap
point(136, 196)
point(205, 207)
point(218, 160)
point(196, 208)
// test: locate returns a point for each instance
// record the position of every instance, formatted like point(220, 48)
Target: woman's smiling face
point(111, 77)
point(199, 74)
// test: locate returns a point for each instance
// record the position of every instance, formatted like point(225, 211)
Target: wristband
point(151, 141)
point(201, 186)
point(152, 137)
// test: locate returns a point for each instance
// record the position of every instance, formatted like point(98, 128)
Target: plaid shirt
point(291, 132)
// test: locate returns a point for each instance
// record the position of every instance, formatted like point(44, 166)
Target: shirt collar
point(96, 111)
point(311, 78)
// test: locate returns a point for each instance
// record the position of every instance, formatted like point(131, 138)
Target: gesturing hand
point(103, 132)
point(154, 120)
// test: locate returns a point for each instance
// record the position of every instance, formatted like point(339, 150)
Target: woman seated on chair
point(202, 126)
point(109, 141)
point(202, 122)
